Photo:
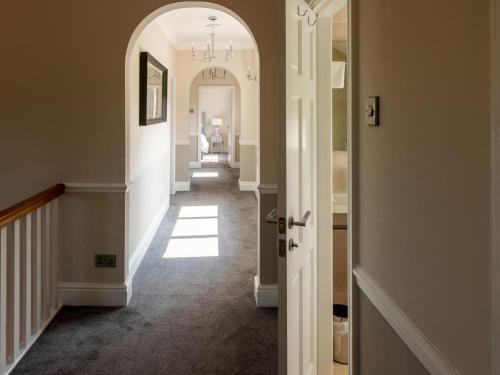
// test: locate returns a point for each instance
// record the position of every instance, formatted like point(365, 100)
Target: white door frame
point(325, 10)
point(233, 118)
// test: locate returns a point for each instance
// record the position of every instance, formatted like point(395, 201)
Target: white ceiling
point(187, 26)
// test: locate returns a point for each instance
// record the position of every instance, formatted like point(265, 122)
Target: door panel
point(301, 261)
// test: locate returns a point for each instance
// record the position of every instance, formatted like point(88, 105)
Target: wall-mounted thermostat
point(372, 111)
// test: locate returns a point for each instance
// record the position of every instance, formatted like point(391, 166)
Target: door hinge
point(282, 248)
point(282, 225)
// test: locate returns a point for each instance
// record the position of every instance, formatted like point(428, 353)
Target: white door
point(301, 238)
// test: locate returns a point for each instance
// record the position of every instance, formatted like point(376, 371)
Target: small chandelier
point(208, 55)
point(211, 73)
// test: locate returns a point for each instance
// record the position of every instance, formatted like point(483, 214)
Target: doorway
point(216, 123)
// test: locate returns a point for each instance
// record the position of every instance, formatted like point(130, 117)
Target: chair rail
point(11, 214)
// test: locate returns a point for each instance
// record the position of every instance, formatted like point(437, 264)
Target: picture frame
point(153, 90)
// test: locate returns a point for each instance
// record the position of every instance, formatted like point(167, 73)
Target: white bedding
point(204, 144)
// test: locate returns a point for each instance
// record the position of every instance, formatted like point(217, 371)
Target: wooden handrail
point(20, 209)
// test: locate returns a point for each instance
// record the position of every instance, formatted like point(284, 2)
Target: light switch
point(372, 111)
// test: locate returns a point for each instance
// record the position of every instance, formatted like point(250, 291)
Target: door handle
point(272, 217)
point(301, 223)
point(292, 245)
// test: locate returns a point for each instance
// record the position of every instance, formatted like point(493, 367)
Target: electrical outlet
point(105, 260)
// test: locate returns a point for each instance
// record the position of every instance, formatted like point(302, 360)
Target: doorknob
point(301, 223)
point(292, 245)
point(272, 217)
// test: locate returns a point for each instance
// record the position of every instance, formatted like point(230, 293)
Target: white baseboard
point(247, 185)
point(430, 356)
point(112, 294)
point(195, 164)
point(266, 295)
point(146, 240)
point(94, 294)
point(234, 164)
point(183, 185)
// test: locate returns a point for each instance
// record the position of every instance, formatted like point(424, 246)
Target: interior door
point(301, 234)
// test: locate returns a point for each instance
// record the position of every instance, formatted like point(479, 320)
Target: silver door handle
point(292, 245)
point(301, 223)
point(272, 217)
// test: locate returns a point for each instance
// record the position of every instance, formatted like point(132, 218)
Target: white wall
point(149, 147)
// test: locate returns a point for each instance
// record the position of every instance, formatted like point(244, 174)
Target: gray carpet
point(187, 315)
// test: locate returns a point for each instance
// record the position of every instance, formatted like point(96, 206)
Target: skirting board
point(247, 185)
point(194, 164)
point(430, 357)
point(94, 294)
point(142, 248)
point(266, 295)
point(183, 185)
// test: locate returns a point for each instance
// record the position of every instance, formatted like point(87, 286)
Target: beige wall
point(70, 125)
point(182, 158)
point(189, 70)
point(422, 191)
point(248, 162)
point(381, 350)
point(268, 253)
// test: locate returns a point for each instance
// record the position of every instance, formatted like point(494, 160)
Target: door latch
point(282, 248)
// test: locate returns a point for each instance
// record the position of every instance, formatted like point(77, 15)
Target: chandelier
point(211, 73)
point(208, 55)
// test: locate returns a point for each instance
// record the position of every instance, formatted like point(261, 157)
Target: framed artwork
point(153, 79)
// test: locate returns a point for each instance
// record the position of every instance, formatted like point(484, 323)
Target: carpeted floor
point(192, 315)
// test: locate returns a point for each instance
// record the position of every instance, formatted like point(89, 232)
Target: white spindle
point(28, 283)
point(55, 246)
point(17, 288)
point(38, 280)
point(29, 295)
point(3, 299)
point(47, 250)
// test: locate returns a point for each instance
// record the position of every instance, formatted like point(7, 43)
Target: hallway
point(187, 315)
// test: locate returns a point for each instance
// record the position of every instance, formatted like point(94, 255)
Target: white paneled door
point(301, 237)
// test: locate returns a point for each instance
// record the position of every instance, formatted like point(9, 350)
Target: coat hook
point(298, 11)
point(309, 21)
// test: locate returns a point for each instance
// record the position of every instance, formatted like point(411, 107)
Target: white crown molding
point(243, 142)
point(94, 294)
point(268, 189)
point(95, 187)
point(183, 185)
point(182, 142)
point(430, 357)
point(266, 295)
